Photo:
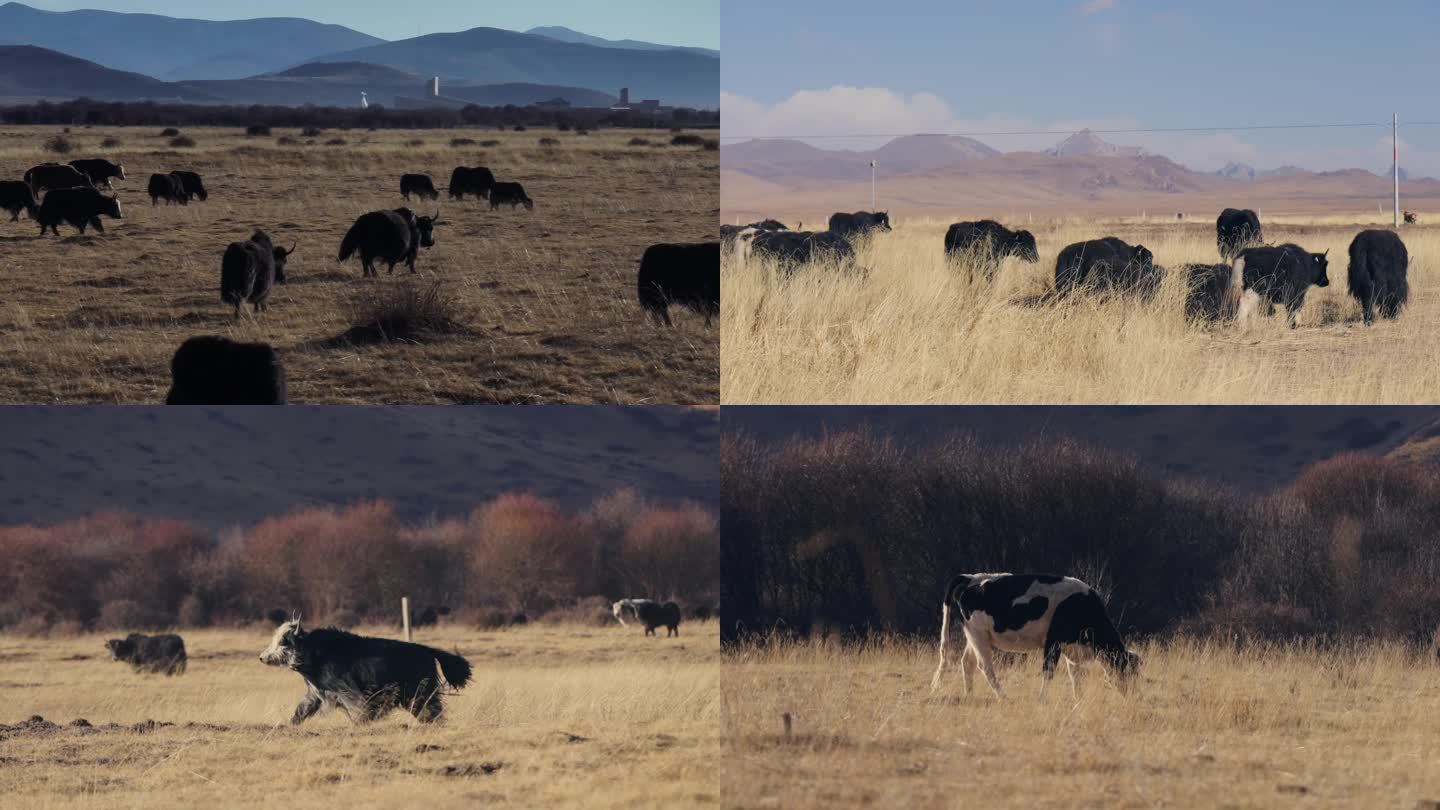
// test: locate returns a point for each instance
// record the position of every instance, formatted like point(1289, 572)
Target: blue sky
point(839, 66)
point(676, 22)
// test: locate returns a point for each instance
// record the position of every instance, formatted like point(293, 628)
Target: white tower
point(364, 102)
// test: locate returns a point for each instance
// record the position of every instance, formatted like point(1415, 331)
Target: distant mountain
point(493, 55)
point(798, 160)
point(340, 84)
point(564, 34)
point(172, 48)
point(1237, 171)
point(29, 73)
point(1086, 142)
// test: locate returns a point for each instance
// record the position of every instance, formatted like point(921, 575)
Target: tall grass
point(917, 329)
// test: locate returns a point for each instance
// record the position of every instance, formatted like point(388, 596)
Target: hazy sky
point(843, 66)
point(671, 22)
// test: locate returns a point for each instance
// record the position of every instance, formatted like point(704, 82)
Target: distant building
point(624, 103)
point(435, 87)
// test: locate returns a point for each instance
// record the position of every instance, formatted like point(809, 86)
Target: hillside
point(221, 466)
point(28, 73)
point(563, 34)
point(497, 56)
point(173, 48)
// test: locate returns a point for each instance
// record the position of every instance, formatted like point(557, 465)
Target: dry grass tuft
point(403, 311)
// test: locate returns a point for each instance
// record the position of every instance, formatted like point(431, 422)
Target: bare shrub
point(110, 142)
point(60, 145)
point(637, 141)
point(519, 127)
point(169, 132)
point(456, 143)
point(336, 142)
point(712, 144)
point(312, 132)
point(257, 131)
point(687, 140)
point(286, 140)
point(406, 312)
point(549, 143)
point(491, 144)
point(182, 142)
point(414, 142)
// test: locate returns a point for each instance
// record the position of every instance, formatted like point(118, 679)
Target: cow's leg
point(309, 705)
point(987, 666)
point(1050, 662)
point(1249, 300)
point(968, 664)
point(97, 224)
point(1070, 671)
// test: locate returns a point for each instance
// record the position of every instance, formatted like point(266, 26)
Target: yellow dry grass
point(547, 298)
point(1206, 727)
point(919, 330)
point(572, 716)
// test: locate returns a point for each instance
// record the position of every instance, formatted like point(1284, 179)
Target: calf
point(192, 184)
point(1207, 292)
point(1278, 275)
point(212, 370)
point(1022, 613)
point(687, 275)
point(152, 654)
point(1235, 230)
point(987, 242)
point(650, 613)
point(80, 207)
point(418, 184)
point(511, 194)
point(249, 270)
point(1378, 265)
point(16, 196)
point(169, 188)
point(860, 223)
point(1106, 264)
point(363, 676)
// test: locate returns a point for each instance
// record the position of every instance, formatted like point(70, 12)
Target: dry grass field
point(1206, 727)
point(556, 716)
point(919, 330)
point(545, 300)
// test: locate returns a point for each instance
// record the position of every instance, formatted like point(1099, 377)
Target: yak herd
point(214, 370)
point(1252, 274)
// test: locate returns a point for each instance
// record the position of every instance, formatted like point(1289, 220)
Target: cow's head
point(281, 256)
point(618, 608)
point(1322, 279)
point(427, 228)
point(121, 649)
point(1125, 669)
point(1143, 256)
point(881, 221)
point(120, 170)
point(1024, 246)
point(284, 649)
point(113, 207)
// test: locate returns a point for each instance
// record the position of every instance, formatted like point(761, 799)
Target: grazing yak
point(363, 676)
point(860, 223)
point(48, 176)
point(801, 247)
point(1107, 264)
point(152, 654)
point(99, 170)
point(250, 269)
point(1207, 293)
point(418, 184)
point(729, 234)
point(988, 242)
point(1022, 613)
point(650, 613)
point(1378, 265)
point(1278, 275)
point(169, 188)
point(391, 236)
point(475, 180)
point(80, 207)
point(430, 616)
point(511, 194)
point(192, 184)
point(1235, 230)
point(213, 370)
point(686, 275)
point(16, 196)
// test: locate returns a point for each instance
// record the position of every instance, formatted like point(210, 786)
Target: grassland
point(545, 300)
point(556, 716)
point(1207, 727)
point(918, 329)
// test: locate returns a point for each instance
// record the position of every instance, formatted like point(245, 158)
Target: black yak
point(650, 613)
point(80, 207)
point(1378, 266)
point(48, 176)
point(791, 248)
point(1276, 275)
point(1106, 264)
point(1207, 293)
point(511, 194)
point(363, 676)
point(169, 188)
point(99, 170)
point(686, 275)
point(860, 223)
point(418, 184)
point(250, 269)
point(192, 184)
point(470, 180)
point(391, 236)
point(152, 654)
point(1235, 230)
point(16, 196)
point(213, 370)
point(988, 242)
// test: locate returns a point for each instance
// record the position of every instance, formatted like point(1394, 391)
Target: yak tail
point(455, 669)
point(955, 585)
point(349, 246)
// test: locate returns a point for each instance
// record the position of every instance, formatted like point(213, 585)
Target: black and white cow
point(650, 613)
point(1022, 613)
point(365, 677)
point(1276, 275)
point(152, 654)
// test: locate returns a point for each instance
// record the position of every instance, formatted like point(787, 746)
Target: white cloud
point(1097, 6)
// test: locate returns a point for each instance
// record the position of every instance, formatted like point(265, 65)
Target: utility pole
point(1395, 142)
point(872, 185)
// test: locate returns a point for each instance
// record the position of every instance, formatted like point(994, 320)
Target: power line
point(1132, 131)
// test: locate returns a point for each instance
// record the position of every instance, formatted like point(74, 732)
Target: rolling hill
point(30, 73)
point(171, 48)
point(563, 34)
point(223, 466)
point(496, 56)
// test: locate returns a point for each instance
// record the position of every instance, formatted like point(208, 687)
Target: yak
point(214, 370)
point(988, 242)
point(418, 184)
point(511, 194)
point(99, 170)
point(860, 223)
point(152, 654)
point(16, 196)
point(391, 236)
point(1377, 273)
point(1276, 275)
point(192, 184)
point(1108, 264)
point(80, 207)
point(169, 188)
point(49, 176)
point(470, 180)
point(1235, 230)
point(650, 613)
point(249, 270)
point(687, 275)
